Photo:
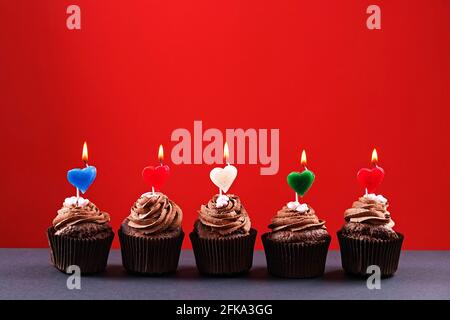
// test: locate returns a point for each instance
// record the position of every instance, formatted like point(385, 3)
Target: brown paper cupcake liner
point(357, 255)
point(150, 256)
point(90, 255)
point(295, 260)
point(224, 256)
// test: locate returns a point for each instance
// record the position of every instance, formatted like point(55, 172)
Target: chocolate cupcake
point(81, 235)
point(151, 236)
point(367, 237)
point(223, 239)
point(298, 244)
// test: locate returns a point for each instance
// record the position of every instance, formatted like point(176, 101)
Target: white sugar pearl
point(374, 197)
point(302, 208)
point(223, 198)
point(293, 204)
point(74, 201)
point(220, 204)
point(68, 202)
point(83, 202)
point(381, 199)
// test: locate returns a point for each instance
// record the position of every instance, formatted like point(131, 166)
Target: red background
point(140, 69)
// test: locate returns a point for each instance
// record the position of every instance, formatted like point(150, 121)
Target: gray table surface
point(27, 274)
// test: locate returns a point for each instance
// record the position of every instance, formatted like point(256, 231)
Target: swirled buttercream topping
point(226, 219)
point(78, 212)
point(155, 213)
point(291, 219)
point(370, 209)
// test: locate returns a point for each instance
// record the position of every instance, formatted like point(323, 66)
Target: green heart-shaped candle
point(300, 182)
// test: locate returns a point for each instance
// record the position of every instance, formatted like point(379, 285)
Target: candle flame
point(374, 156)
point(303, 159)
point(161, 153)
point(226, 152)
point(84, 155)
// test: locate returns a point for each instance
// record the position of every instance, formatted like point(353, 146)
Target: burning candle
point(370, 179)
point(300, 183)
point(226, 153)
point(81, 179)
point(223, 178)
point(156, 176)
point(160, 154)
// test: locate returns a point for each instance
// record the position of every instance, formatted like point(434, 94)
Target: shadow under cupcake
point(298, 244)
point(81, 235)
point(223, 239)
point(367, 237)
point(151, 236)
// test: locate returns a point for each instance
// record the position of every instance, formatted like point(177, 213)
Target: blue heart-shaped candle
point(82, 178)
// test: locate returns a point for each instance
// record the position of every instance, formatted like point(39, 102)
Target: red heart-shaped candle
point(156, 176)
point(370, 179)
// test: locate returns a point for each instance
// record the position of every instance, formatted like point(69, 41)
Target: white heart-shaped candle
point(223, 178)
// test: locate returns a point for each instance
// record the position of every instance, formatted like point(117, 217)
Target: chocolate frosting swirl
point(155, 213)
point(291, 220)
point(370, 211)
point(73, 214)
point(225, 220)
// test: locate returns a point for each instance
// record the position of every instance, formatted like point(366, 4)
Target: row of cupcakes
point(222, 239)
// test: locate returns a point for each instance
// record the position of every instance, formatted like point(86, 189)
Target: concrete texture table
point(27, 274)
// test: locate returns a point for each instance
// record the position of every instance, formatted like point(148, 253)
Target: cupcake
point(297, 245)
point(151, 236)
point(81, 235)
point(223, 239)
point(367, 237)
